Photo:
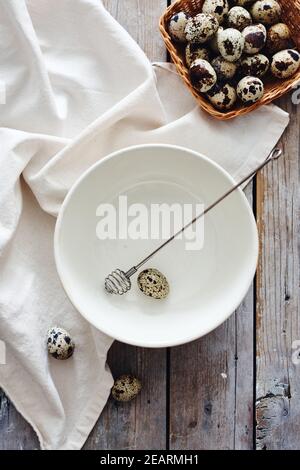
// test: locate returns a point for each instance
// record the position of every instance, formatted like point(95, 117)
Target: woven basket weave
point(274, 88)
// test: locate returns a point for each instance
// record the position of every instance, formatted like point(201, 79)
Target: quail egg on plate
point(126, 388)
point(222, 97)
point(201, 28)
point(285, 63)
point(218, 8)
point(225, 70)
point(266, 11)
point(255, 65)
point(203, 76)
point(239, 18)
point(177, 26)
point(250, 89)
point(153, 283)
point(278, 38)
point(59, 343)
point(255, 37)
point(195, 51)
point(231, 44)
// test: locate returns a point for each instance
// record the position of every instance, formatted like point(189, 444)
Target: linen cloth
point(74, 87)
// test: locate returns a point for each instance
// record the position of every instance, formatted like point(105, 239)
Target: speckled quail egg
point(255, 37)
point(59, 343)
point(126, 388)
point(250, 89)
point(239, 18)
point(201, 28)
point(255, 65)
point(195, 51)
point(177, 26)
point(218, 8)
point(222, 96)
point(213, 43)
point(231, 44)
point(266, 11)
point(225, 70)
point(278, 38)
point(285, 63)
point(153, 283)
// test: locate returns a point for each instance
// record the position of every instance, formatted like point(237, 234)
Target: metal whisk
point(118, 282)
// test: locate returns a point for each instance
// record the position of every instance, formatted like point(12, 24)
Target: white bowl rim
point(192, 337)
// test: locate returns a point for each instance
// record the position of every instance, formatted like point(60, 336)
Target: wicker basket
point(274, 88)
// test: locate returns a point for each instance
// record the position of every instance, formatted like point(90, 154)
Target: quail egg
point(225, 70)
point(218, 8)
point(285, 63)
point(59, 343)
point(195, 51)
point(278, 38)
point(266, 11)
point(239, 18)
point(203, 76)
point(255, 65)
point(153, 283)
point(255, 37)
point(201, 28)
point(222, 97)
point(250, 89)
point(126, 388)
point(231, 44)
point(213, 43)
point(177, 26)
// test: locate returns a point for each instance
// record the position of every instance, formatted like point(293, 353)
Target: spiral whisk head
point(117, 282)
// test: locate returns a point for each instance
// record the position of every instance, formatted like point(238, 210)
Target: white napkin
point(77, 88)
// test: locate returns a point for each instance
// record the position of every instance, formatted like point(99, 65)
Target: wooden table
point(205, 395)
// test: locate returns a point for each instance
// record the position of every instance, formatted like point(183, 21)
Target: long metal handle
point(274, 155)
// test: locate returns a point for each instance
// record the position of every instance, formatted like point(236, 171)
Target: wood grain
point(278, 321)
point(211, 386)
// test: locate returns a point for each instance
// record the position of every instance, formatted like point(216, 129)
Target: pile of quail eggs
point(232, 45)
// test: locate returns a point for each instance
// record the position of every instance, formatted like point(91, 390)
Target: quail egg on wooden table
point(195, 51)
point(278, 38)
point(177, 26)
point(225, 70)
point(222, 97)
point(126, 388)
point(231, 44)
point(203, 76)
point(250, 90)
point(153, 283)
point(239, 18)
point(255, 37)
point(217, 8)
point(266, 11)
point(59, 343)
point(201, 28)
point(285, 63)
point(255, 65)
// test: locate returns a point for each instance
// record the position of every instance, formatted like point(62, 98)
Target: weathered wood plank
point(278, 320)
point(211, 386)
point(142, 423)
point(15, 432)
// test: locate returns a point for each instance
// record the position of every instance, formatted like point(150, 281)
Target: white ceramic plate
point(206, 285)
